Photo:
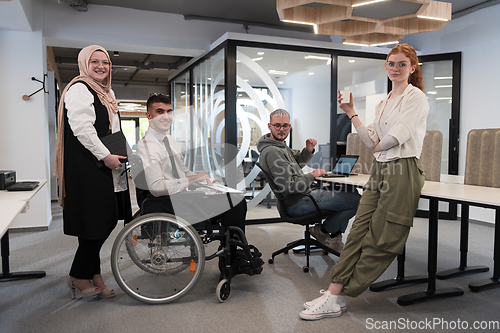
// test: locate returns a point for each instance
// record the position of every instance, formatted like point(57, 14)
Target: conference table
point(13, 203)
point(480, 196)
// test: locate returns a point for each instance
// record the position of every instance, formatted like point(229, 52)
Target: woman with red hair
point(390, 198)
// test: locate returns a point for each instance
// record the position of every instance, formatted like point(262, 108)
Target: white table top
point(9, 209)
point(21, 195)
point(465, 193)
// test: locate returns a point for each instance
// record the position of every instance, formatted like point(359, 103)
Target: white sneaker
point(340, 301)
point(335, 243)
point(326, 306)
point(318, 234)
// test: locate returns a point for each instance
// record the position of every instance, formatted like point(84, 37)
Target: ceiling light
point(272, 71)
point(209, 78)
point(443, 77)
point(352, 61)
point(432, 92)
point(280, 82)
point(128, 104)
point(306, 23)
point(310, 73)
point(433, 18)
point(260, 53)
point(443, 98)
point(367, 3)
point(386, 43)
point(328, 59)
point(238, 61)
point(444, 86)
point(372, 24)
point(355, 44)
point(246, 80)
point(257, 59)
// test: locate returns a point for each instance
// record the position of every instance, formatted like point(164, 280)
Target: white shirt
point(157, 165)
point(405, 118)
point(79, 102)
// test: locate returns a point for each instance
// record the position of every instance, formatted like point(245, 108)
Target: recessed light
point(257, 59)
point(260, 53)
point(352, 61)
point(272, 71)
point(310, 73)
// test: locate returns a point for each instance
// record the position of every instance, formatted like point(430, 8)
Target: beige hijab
point(103, 90)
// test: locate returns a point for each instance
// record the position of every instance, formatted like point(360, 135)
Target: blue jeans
point(343, 203)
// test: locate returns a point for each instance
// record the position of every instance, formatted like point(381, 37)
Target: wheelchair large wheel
point(157, 258)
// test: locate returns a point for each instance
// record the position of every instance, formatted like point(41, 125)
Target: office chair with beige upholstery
point(355, 146)
point(481, 169)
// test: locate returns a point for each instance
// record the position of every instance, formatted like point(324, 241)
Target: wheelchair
point(159, 257)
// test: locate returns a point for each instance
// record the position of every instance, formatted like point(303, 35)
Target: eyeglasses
point(278, 126)
point(97, 62)
point(400, 65)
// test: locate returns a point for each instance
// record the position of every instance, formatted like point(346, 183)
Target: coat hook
point(27, 97)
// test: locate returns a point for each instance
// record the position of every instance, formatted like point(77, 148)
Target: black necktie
point(171, 155)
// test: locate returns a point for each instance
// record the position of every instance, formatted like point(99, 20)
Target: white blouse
point(404, 118)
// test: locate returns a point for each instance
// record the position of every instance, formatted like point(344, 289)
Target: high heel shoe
point(107, 292)
point(89, 292)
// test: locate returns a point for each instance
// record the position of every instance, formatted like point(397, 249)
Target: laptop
point(344, 166)
point(23, 186)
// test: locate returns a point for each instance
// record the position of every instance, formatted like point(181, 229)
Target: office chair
point(304, 220)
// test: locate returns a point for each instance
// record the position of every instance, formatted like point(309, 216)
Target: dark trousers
point(87, 261)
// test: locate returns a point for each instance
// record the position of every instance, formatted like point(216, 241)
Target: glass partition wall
point(226, 96)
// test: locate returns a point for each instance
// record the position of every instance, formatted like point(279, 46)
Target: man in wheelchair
point(169, 183)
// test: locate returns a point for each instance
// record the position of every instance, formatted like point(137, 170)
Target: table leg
point(464, 248)
point(400, 279)
point(493, 281)
point(431, 291)
point(6, 275)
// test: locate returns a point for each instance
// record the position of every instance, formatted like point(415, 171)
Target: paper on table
point(221, 188)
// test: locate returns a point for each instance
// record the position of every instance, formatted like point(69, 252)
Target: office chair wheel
point(305, 269)
point(285, 252)
point(223, 290)
point(271, 261)
point(157, 258)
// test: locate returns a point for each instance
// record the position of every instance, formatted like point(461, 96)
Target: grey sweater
point(284, 165)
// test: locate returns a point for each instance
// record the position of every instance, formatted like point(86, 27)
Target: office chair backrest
point(355, 146)
point(483, 157)
point(431, 155)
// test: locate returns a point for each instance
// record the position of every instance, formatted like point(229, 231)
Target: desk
point(486, 197)
point(11, 205)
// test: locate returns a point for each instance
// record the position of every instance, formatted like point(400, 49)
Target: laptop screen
point(345, 164)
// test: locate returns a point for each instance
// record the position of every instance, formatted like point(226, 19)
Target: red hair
point(416, 77)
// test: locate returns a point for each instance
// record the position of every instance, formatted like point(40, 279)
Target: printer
point(7, 177)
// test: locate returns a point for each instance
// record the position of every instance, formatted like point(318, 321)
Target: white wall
point(23, 125)
point(477, 36)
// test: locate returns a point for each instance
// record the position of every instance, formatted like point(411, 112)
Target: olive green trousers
point(382, 224)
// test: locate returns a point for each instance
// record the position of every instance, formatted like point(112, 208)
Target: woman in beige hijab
point(90, 178)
